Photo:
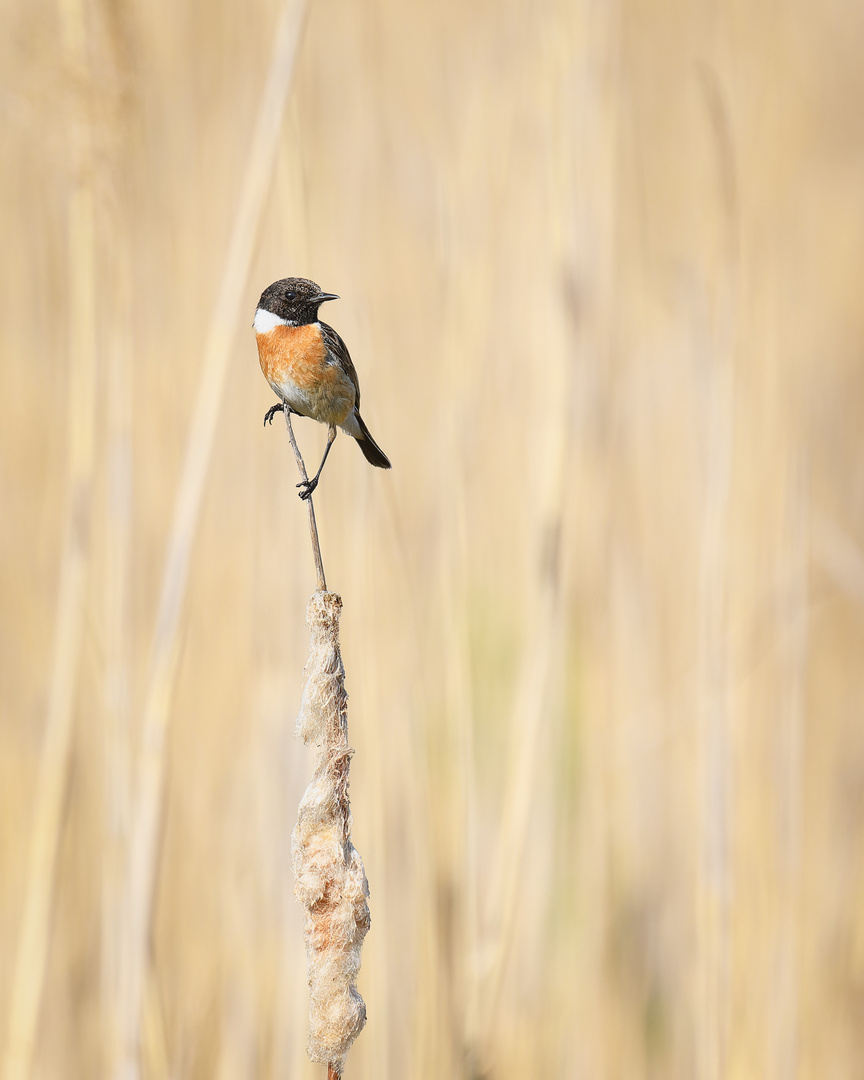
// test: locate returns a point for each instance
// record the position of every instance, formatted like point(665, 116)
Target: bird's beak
point(321, 297)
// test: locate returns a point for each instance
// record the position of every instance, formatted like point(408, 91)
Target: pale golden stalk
point(79, 406)
point(313, 527)
point(222, 324)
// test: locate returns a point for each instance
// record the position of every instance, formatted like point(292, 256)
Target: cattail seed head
point(330, 881)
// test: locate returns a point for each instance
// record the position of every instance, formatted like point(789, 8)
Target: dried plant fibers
point(330, 880)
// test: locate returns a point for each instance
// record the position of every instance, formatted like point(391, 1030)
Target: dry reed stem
point(35, 932)
point(530, 746)
point(715, 725)
point(221, 327)
point(793, 622)
point(330, 881)
point(118, 742)
point(117, 321)
point(313, 527)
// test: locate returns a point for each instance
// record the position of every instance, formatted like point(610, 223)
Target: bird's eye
point(290, 295)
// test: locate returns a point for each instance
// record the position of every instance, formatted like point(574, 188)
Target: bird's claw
point(308, 487)
point(271, 412)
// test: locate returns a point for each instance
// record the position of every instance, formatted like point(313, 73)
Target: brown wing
point(338, 351)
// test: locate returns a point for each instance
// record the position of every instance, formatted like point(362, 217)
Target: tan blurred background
point(601, 268)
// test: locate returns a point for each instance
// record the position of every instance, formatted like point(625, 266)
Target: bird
point(309, 367)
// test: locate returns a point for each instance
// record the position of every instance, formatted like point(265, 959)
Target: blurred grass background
point(601, 272)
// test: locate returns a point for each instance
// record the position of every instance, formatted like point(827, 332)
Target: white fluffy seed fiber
point(330, 881)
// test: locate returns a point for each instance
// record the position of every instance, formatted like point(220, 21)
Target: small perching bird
point(309, 367)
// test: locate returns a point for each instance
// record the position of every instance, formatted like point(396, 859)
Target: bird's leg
point(309, 485)
point(282, 407)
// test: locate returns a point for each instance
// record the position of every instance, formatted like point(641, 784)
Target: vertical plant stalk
point(793, 632)
point(715, 732)
point(313, 528)
point(115, 600)
point(533, 706)
point(202, 430)
point(79, 408)
point(330, 881)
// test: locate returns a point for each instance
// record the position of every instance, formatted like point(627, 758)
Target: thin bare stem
point(313, 527)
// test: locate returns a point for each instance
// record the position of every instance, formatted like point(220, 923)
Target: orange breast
point(292, 354)
point(294, 362)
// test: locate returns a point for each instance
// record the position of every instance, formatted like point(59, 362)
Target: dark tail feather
point(371, 450)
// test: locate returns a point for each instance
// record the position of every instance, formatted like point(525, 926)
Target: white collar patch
point(265, 321)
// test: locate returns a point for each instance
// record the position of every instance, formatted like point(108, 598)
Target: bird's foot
point(308, 487)
point(271, 412)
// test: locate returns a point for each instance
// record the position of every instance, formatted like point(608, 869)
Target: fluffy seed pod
point(330, 881)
